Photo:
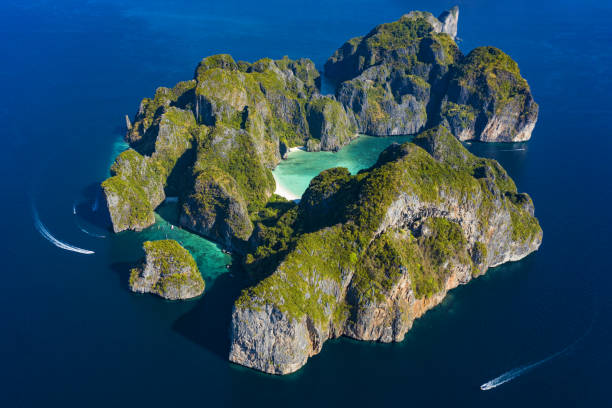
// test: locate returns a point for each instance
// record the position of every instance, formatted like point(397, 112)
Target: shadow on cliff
point(208, 323)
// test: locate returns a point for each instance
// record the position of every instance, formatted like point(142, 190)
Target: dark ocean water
point(71, 334)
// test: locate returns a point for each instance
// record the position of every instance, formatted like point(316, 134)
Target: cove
point(294, 174)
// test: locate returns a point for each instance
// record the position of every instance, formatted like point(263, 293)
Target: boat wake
point(91, 234)
point(513, 150)
point(512, 374)
point(516, 372)
point(40, 227)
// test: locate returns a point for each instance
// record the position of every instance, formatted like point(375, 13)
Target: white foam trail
point(513, 150)
point(47, 235)
point(93, 234)
point(512, 374)
point(94, 207)
point(83, 229)
point(516, 372)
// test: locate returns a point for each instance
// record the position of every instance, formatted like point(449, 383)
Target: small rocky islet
point(169, 271)
point(361, 255)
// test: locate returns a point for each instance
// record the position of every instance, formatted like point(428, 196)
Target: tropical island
point(361, 255)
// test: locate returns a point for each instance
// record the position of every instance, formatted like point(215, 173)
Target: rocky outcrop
point(408, 75)
point(449, 21)
point(425, 218)
point(134, 190)
point(488, 100)
point(137, 183)
point(233, 121)
point(241, 117)
point(397, 44)
point(216, 209)
point(329, 125)
point(372, 97)
point(168, 271)
point(142, 133)
point(390, 77)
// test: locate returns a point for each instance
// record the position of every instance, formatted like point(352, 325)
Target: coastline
point(283, 192)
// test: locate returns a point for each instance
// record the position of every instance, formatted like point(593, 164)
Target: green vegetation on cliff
point(169, 271)
point(491, 73)
point(489, 82)
point(231, 117)
point(134, 190)
point(151, 109)
point(305, 282)
point(405, 44)
point(373, 247)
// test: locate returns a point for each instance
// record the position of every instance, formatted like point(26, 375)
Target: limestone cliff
point(213, 141)
point(390, 77)
point(361, 255)
point(237, 119)
point(330, 125)
point(168, 271)
point(407, 75)
point(488, 100)
point(374, 251)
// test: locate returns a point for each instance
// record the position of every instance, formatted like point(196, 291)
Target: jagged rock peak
point(450, 20)
point(446, 23)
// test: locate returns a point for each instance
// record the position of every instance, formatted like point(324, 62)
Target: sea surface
point(295, 173)
point(73, 335)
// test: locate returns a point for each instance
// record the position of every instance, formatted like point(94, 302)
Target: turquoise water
point(73, 335)
point(295, 173)
point(211, 260)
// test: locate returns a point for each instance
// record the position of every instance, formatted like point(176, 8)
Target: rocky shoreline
point(407, 238)
point(361, 255)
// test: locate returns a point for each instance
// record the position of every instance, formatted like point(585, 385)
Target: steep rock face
point(168, 271)
point(409, 74)
point(271, 90)
point(278, 337)
point(229, 184)
point(234, 120)
point(449, 21)
point(216, 209)
point(142, 133)
point(393, 76)
point(396, 43)
point(134, 190)
point(377, 110)
point(136, 185)
point(488, 100)
point(329, 124)
point(427, 217)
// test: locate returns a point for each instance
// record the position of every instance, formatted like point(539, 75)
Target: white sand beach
point(283, 192)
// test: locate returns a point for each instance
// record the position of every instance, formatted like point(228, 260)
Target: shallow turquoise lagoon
point(294, 174)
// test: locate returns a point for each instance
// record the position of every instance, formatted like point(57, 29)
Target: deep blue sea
point(71, 333)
